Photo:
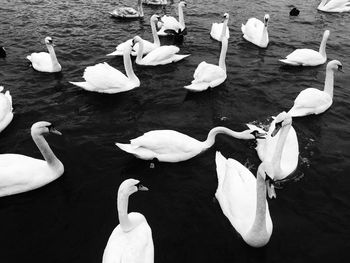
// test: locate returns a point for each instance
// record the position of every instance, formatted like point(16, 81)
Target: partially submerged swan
point(334, 6)
point(220, 30)
point(128, 12)
point(131, 240)
point(255, 31)
point(171, 25)
point(20, 173)
point(6, 110)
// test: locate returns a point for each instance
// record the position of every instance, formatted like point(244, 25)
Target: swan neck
point(45, 150)
point(223, 52)
point(322, 49)
point(329, 82)
point(181, 16)
point(156, 40)
point(122, 206)
point(53, 56)
point(215, 131)
point(140, 8)
point(128, 67)
point(223, 31)
point(139, 52)
point(276, 159)
point(264, 36)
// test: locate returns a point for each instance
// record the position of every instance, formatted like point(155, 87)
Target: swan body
point(334, 6)
point(170, 25)
point(315, 101)
point(255, 31)
point(158, 56)
point(105, 79)
point(308, 57)
point(219, 30)
point(243, 200)
point(155, 2)
point(45, 62)
point(281, 149)
point(147, 45)
point(128, 12)
point(20, 173)
point(208, 75)
point(131, 241)
point(6, 114)
point(172, 146)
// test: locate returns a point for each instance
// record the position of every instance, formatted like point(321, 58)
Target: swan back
point(334, 6)
point(6, 114)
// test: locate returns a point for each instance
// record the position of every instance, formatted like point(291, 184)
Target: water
point(71, 219)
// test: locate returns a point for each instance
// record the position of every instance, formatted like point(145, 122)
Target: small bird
point(294, 12)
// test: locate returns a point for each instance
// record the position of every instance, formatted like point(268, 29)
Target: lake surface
point(70, 220)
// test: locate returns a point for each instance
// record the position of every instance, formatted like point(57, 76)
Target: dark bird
point(294, 12)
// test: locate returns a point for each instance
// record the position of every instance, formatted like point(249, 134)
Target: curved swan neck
point(122, 206)
point(139, 2)
point(322, 49)
point(224, 43)
point(329, 82)
point(139, 52)
point(156, 40)
point(181, 16)
point(276, 159)
point(53, 56)
point(215, 131)
point(223, 31)
point(264, 36)
point(128, 66)
point(45, 149)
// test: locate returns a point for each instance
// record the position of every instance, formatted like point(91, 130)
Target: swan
point(131, 240)
point(219, 30)
point(45, 62)
point(6, 114)
point(128, 12)
point(147, 45)
point(105, 79)
point(2, 52)
point(243, 199)
point(155, 2)
point(20, 173)
point(255, 31)
point(334, 6)
point(171, 25)
point(209, 75)
point(308, 57)
point(281, 149)
point(172, 146)
point(158, 56)
point(315, 101)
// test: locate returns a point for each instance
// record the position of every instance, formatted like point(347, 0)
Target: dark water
point(71, 219)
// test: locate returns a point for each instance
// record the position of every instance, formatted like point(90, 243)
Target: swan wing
point(160, 54)
point(41, 61)
point(335, 6)
point(253, 28)
point(5, 106)
point(304, 57)
point(216, 30)
point(208, 72)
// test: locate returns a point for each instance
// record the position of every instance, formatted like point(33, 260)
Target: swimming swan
point(20, 173)
point(334, 6)
point(172, 146)
point(128, 12)
point(281, 149)
point(45, 62)
point(219, 30)
point(308, 57)
point(243, 200)
point(6, 114)
point(105, 79)
point(131, 240)
point(159, 56)
point(315, 101)
point(171, 25)
point(209, 75)
point(147, 46)
point(255, 31)
point(155, 2)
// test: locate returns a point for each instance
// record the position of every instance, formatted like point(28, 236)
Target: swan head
point(130, 186)
point(182, 4)
point(281, 120)
point(155, 18)
point(266, 171)
point(136, 39)
point(48, 41)
point(255, 134)
point(335, 65)
point(226, 16)
point(266, 19)
point(326, 34)
point(43, 127)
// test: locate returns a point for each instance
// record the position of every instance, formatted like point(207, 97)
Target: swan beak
point(278, 126)
point(140, 187)
point(54, 131)
point(258, 135)
point(340, 68)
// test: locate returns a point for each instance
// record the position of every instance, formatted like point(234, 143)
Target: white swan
point(172, 146)
point(128, 12)
point(255, 31)
point(243, 200)
point(105, 79)
point(171, 25)
point(45, 62)
point(147, 45)
point(155, 2)
point(281, 149)
point(209, 75)
point(20, 173)
point(308, 57)
point(131, 240)
point(315, 101)
point(219, 30)
point(334, 6)
point(159, 56)
point(6, 114)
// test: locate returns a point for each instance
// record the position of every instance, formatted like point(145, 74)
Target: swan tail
point(288, 62)
point(243, 28)
point(220, 161)
point(126, 147)
point(116, 53)
point(196, 87)
point(83, 85)
point(179, 57)
point(8, 96)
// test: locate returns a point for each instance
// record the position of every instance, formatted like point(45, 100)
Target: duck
point(308, 57)
point(147, 45)
point(128, 12)
point(219, 30)
point(20, 173)
point(103, 78)
point(294, 12)
point(159, 56)
point(154, 2)
point(255, 31)
point(6, 110)
point(172, 146)
point(131, 240)
point(45, 62)
point(279, 147)
point(242, 198)
point(209, 75)
point(2, 52)
point(315, 101)
point(170, 25)
point(337, 6)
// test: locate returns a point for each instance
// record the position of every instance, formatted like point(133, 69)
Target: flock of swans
point(241, 195)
